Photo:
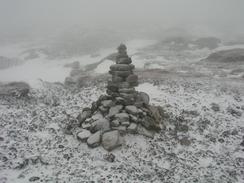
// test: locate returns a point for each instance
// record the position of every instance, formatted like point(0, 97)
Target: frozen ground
point(202, 141)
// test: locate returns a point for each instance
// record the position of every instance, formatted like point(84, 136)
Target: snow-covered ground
point(201, 142)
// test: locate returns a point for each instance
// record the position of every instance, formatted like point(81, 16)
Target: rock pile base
point(122, 110)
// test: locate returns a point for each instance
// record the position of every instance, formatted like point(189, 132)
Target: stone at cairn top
point(123, 79)
point(122, 110)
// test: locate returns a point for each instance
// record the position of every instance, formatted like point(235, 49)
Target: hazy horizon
point(32, 17)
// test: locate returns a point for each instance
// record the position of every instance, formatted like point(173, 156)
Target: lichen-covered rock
point(111, 140)
point(94, 140)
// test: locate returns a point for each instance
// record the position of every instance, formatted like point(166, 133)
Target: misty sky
point(41, 15)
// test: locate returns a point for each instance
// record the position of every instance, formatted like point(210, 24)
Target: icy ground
point(201, 142)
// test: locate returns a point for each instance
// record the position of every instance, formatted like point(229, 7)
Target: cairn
point(122, 110)
point(123, 80)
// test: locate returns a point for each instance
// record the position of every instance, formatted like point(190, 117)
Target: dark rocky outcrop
point(227, 56)
point(17, 89)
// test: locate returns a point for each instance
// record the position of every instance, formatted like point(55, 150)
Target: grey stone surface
point(125, 123)
point(120, 128)
point(94, 140)
point(150, 123)
point(120, 73)
point(132, 128)
point(115, 110)
point(86, 125)
point(143, 131)
point(100, 125)
point(131, 109)
point(144, 97)
point(111, 140)
point(97, 116)
point(115, 123)
point(125, 60)
point(107, 103)
point(132, 78)
point(122, 117)
point(83, 135)
point(83, 116)
point(121, 67)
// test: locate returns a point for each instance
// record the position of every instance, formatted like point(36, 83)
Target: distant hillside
point(233, 55)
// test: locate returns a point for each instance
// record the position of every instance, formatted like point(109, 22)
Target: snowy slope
point(201, 143)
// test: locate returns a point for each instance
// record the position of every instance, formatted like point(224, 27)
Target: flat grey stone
point(143, 131)
point(127, 90)
point(86, 125)
point(97, 116)
point(142, 96)
point(132, 128)
point(115, 123)
point(131, 109)
point(122, 117)
point(125, 123)
point(124, 60)
point(94, 140)
point(83, 135)
point(111, 140)
point(120, 73)
point(120, 128)
point(107, 103)
point(83, 116)
point(121, 67)
point(132, 78)
point(103, 109)
point(114, 110)
point(100, 125)
point(133, 118)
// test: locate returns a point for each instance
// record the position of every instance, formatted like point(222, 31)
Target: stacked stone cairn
point(122, 110)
